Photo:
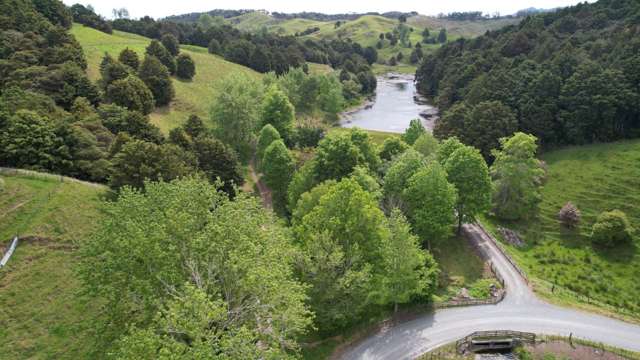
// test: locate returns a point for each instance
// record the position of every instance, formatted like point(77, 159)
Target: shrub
point(171, 44)
point(131, 93)
point(158, 50)
point(611, 228)
point(156, 77)
point(569, 215)
point(307, 136)
point(214, 47)
point(129, 58)
point(186, 68)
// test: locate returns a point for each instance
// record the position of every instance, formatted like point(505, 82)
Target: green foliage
point(268, 134)
point(278, 111)
point(157, 50)
point(612, 228)
point(179, 256)
point(185, 67)
point(411, 272)
point(139, 161)
point(170, 43)
point(401, 170)
point(55, 11)
point(195, 126)
point(413, 132)
point(132, 93)
point(236, 111)
point(565, 77)
point(156, 77)
point(339, 153)
point(427, 145)
point(278, 167)
point(442, 36)
point(430, 199)
point(448, 147)
point(112, 71)
point(342, 240)
point(392, 147)
point(517, 177)
point(129, 58)
point(468, 172)
point(118, 119)
point(214, 47)
point(368, 181)
point(218, 162)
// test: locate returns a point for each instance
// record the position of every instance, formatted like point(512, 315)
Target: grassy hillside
point(41, 314)
point(192, 97)
point(595, 178)
point(467, 29)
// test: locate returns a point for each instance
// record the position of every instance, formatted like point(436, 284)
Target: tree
point(413, 132)
point(487, 123)
point(278, 112)
point(399, 173)
point(391, 147)
point(195, 126)
point(343, 241)
point(113, 71)
point(236, 111)
point(468, 172)
point(218, 162)
point(185, 67)
point(139, 161)
point(303, 180)
point(157, 50)
point(611, 228)
point(446, 148)
point(268, 134)
point(156, 77)
point(427, 145)
point(119, 119)
point(214, 47)
point(129, 58)
point(171, 44)
point(442, 36)
point(516, 177)
point(232, 255)
point(130, 93)
point(370, 54)
point(425, 36)
point(278, 167)
point(569, 215)
point(411, 272)
point(339, 153)
point(431, 201)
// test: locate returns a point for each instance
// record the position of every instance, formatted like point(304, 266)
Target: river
point(395, 104)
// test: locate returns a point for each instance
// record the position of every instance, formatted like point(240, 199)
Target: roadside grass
point(461, 267)
point(564, 265)
point(192, 97)
point(42, 316)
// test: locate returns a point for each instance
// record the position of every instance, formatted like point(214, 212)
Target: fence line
point(9, 252)
point(44, 175)
point(504, 252)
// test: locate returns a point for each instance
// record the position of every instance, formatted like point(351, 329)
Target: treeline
point(568, 77)
point(193, 17)
point(86, 16)
point(262, 52)
point(53, 118)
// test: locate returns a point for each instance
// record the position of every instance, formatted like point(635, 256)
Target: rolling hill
point(192, 97)
point(595, 178)
point(41, 313)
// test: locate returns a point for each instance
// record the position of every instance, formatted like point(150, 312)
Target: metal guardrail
point(9, 252)
point(463, 344)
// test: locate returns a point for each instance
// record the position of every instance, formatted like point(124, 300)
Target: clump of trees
point(86, 16)
point(550, 76)
point(611, 228)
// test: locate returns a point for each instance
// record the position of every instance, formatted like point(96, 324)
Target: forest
point(570, 76)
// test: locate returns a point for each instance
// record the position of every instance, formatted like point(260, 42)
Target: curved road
point(520, 310)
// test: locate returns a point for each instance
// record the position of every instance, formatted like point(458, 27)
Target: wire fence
point(46, 176)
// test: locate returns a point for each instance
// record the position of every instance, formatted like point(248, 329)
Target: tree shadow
point(621, 253)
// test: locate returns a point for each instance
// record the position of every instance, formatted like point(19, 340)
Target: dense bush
point(131, 93)
point(129, 58)
point(170, 43)
point(566, 76)
point(87, 17)
point(157, 50)
point(156, 76)
point(611, 228)
point(185, 67)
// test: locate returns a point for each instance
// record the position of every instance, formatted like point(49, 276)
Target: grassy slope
point(454, 28)
point(41, 315)
point(192, 97)
point(595, 178)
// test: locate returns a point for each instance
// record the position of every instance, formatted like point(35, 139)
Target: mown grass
point(192, 97)
point(42, 316)
point(595, 178)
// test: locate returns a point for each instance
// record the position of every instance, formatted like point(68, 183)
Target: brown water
point(395, 104)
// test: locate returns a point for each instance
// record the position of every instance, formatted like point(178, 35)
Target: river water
point(395, 104)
